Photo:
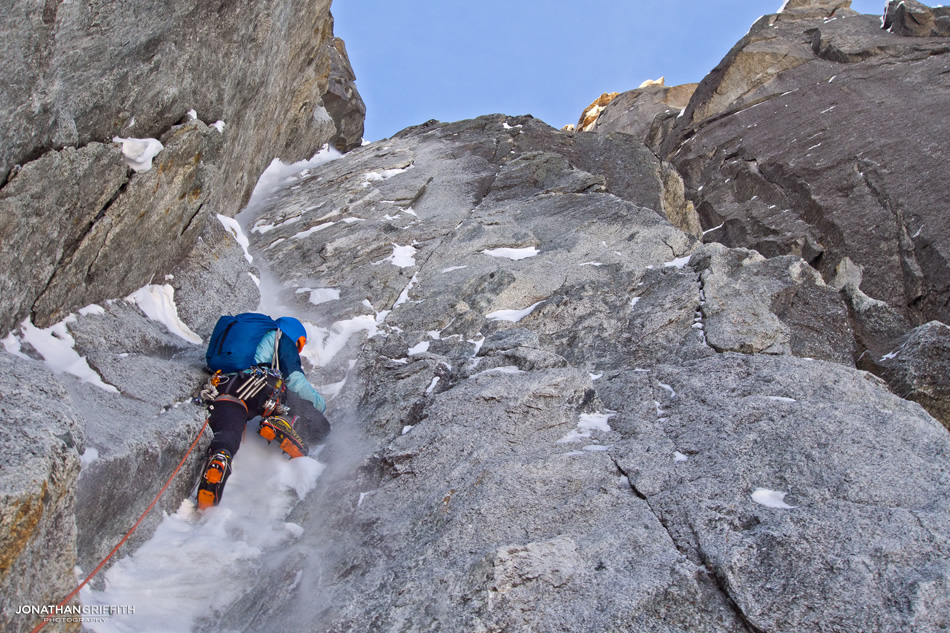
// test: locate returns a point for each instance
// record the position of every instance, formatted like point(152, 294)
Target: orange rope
point(129, 533)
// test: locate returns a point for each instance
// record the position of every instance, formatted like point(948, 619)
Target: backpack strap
point(275, 363)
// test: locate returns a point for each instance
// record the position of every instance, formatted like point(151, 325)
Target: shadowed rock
point(813, 155)
point(80, 74)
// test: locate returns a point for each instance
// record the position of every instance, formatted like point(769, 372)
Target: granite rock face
point(128, 428)
point(555, 408)
point(562, 413)
point(81, 74)
point(39, 462)
point(798, 143)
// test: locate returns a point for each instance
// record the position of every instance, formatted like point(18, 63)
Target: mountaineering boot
point(212, 482)
point(277, 428)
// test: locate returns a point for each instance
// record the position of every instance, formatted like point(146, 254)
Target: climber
point(255, 359)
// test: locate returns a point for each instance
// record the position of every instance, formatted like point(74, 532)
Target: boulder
point(795, 9)
point(641, 112)
point(771, 306)
point(917, 368)
point(910, 18)
point(591, 112)
point(95, 240)
point(342, 100)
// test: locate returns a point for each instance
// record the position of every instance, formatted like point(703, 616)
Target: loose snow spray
point(196, 560)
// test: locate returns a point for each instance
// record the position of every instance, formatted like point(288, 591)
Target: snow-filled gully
point(193, 563)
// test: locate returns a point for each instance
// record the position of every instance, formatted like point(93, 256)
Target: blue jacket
point(290, 368)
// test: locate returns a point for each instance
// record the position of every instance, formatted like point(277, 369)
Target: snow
point(634, 301)
point(403, 257)
point(231, 226)
point(679, 457)
point(278, 175)
point(55, 345)
point(595, 422)
point(478, 345)
point(89, 456)
point(588, 423)
point(174, 578)
point(12, 344)
point(451, 268)
point(219, 126)
point(432, 385)
point(386, 174)
point(594, 377)
point(158, 304)
point(668, 388)
point(404, 295)
point(323, 344)
point(514, 254)
point(780, 399)
point(312, 230)
point(512, 316)
point(679, 262)
point(264, 228)
point(139, 152)
point(332, 390)
point(771, 499)
point(320, 115)
point(507, 369)
point(320, 295)
point(405, 430)
point(420, 348)
point(92, 309)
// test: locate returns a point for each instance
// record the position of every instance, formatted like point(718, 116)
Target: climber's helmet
point(293, 329)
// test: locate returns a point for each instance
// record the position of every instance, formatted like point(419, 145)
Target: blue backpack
point(234, 341)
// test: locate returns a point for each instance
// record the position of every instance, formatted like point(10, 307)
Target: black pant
point(229, 417)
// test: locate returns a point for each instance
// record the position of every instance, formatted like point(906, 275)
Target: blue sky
point(417, 60)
